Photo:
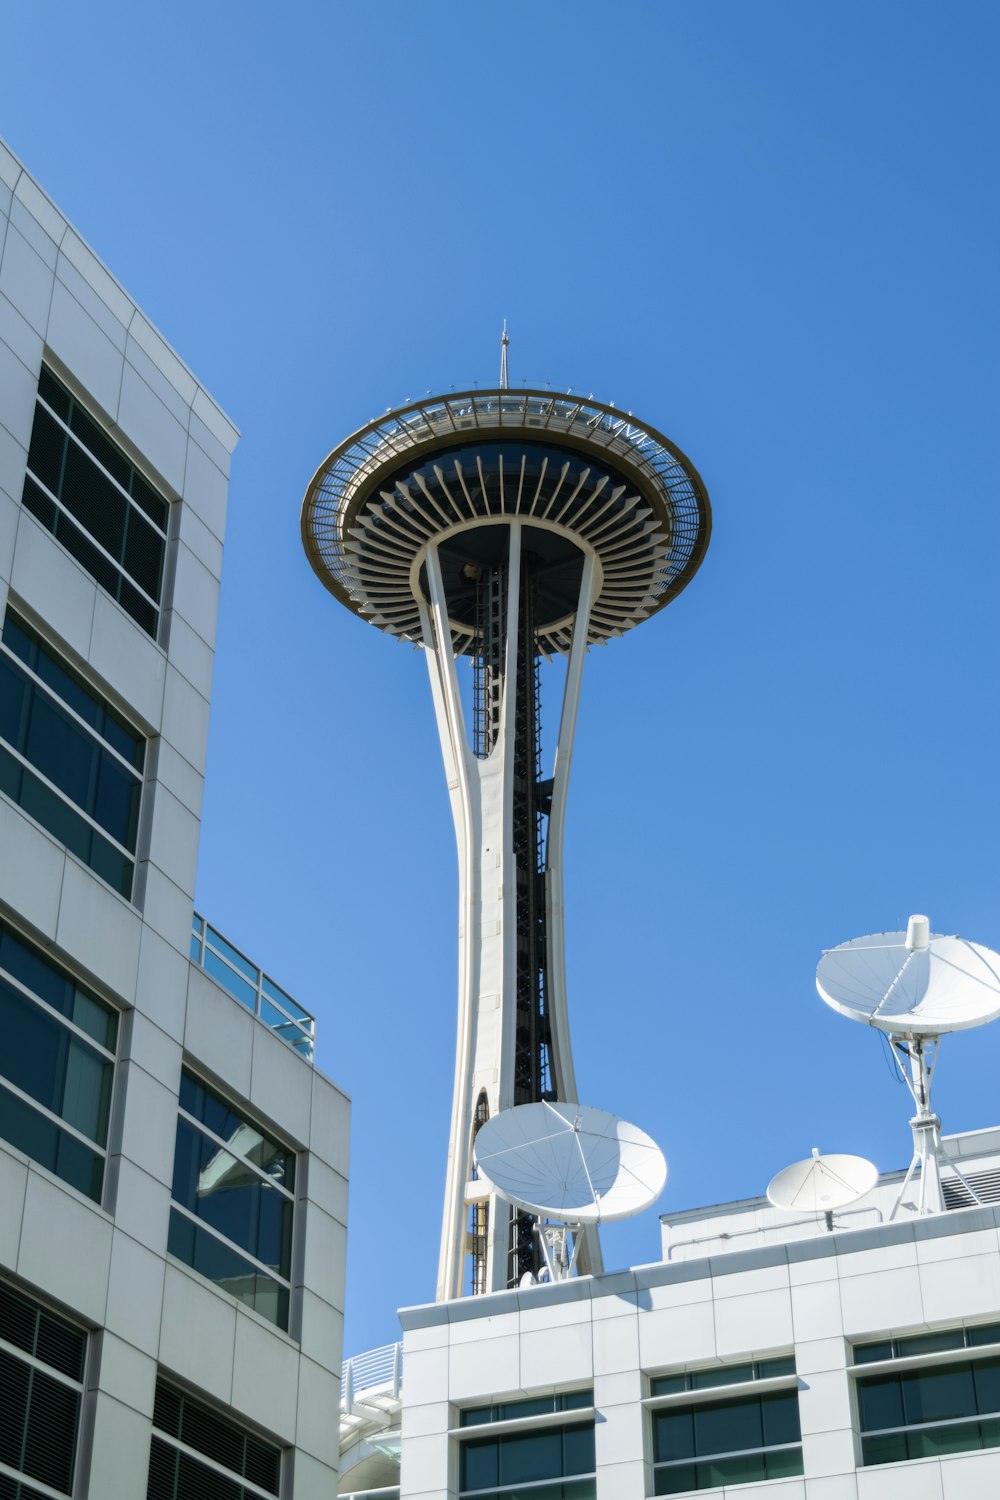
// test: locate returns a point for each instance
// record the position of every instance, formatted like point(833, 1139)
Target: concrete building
point(173, 1169)
point(763, 1356)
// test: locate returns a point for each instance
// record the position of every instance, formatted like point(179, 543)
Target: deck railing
point(375, 1370)
point(251, 986)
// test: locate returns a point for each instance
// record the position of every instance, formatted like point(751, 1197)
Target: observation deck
point(583, 479)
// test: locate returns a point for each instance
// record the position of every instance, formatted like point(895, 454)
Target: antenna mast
point(504, 341)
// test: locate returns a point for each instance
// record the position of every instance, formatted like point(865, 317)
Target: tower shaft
point(513, 1043)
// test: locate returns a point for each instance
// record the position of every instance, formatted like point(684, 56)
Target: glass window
point(497, 1467)
point(41, 1376)
point(56, 1065)
point(83, 489)
point(186, 1432)
point(533, 1406)
point(233, 1204)
point(67, 757)
point(938, 1409)
point(708, 1442)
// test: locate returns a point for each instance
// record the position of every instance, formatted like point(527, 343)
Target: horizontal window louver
point(40, 1412)
point(177, 1474)
point(986, 1186)
point(15, 1489)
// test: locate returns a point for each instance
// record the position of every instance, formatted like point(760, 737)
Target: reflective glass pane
point(723, 1375)
point(578, 1450)
point(890, 1449)
point(57, 1150)
point(783, 1462)
point(58, 1069)
point(219, 1263)
point(738, 1470)
point(235, 957)
point(57, 989)
point(528, 1456)
point(675, 1481)
point(245, 1139)
point(930, 1343)
point(224, 1192)
point(505, 1411)
point(867, 1354)
point(668, 1385)
point(986, 1375)
point(926, 1442)
point(479, 1466)
point(880, 1402)
point(938, 1393)
point(62, 750)
point(986, 1333)
point(780, 1414)
point(727, 1427)
point(14, 698)
point(116, 800)
point(238, 987)
point(673, 1434)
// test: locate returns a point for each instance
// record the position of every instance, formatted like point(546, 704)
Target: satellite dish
point(912, 983)
point(917, 986)
point(821, 1184)
point(570, 1162)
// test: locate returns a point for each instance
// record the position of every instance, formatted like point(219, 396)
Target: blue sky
point(771, 231)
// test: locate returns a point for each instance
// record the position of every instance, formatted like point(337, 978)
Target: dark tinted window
point(83, 488)
point(59, 730)
point(55, 1071)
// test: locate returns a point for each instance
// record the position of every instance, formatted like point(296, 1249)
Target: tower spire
point(504, 341)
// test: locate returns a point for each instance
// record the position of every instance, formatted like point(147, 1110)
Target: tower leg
point(512, 1042)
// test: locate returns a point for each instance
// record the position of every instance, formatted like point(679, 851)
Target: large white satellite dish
point(912, 983)
point(822, 1184)
point(917, 986)
point(570, 1163)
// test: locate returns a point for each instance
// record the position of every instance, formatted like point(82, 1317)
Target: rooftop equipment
point(570, 1164)
point(916, 986)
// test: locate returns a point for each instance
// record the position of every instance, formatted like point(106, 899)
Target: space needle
point(495, 528)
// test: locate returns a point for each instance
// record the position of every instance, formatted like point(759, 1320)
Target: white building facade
point(173, 1169)
point(761, 1357)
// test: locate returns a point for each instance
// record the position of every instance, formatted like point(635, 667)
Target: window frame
point(22, 621)
point(962, 1353)
point(110, 1056)
point(245, 1114)
point(735, 1390)
point(577, 1416)
point(73, 393)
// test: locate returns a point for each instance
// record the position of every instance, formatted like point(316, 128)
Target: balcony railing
point(251, 986)
point(378, 1369)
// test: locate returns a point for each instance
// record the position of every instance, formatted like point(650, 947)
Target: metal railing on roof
point(378, 1369)
point(251, 986)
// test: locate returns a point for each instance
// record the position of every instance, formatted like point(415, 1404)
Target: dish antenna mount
point(916, 986)
point(571, 1167)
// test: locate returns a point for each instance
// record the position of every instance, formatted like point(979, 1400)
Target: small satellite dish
point(570, 1162)
point(912, 983)
point(821, 1184)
